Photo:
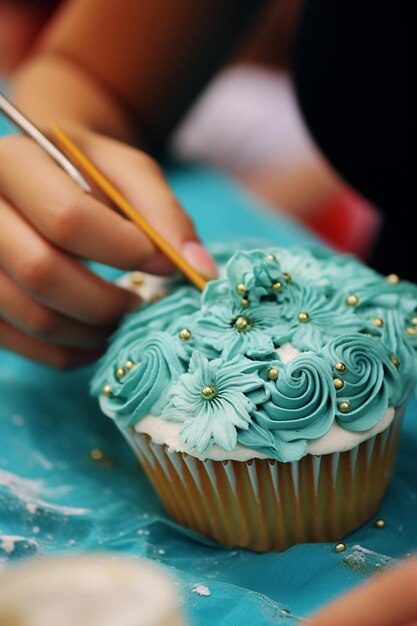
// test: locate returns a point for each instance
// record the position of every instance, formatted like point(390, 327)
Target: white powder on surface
point(202, 590)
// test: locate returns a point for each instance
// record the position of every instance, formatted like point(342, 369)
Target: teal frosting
point(300, 408)
point(215, 418)
point(369, 381)
point(205, 360)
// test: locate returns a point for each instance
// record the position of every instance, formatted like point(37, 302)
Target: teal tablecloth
point(55, 498)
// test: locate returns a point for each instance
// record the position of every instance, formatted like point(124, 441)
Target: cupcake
point(266, 410)
point(89, 590)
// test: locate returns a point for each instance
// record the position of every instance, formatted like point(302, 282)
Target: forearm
point(50, 87)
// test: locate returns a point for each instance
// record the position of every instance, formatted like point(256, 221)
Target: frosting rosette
point(368, 377)
point(232, 330)
point(301, 407)
point(213, 399)
point(170, 314)
point(309, 318)
point(137, 384)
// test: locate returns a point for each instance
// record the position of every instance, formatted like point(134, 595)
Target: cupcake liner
point(263, 504)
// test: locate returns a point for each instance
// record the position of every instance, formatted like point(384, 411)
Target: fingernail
point(199, 258)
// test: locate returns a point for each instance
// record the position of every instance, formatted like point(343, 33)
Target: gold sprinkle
point(208, 392)
point(287, 277)
point(120, 373)
point(378, 321)
point(343, 407)
point(106, 390)
point(96, 454)
point(240, 288)
point(244, 302)
point(156, 297)
point(394, 360)
point(129, 365)
point(393, 279)
point(338, 383)
point(242, 323)
point(137, 279)
point(185, 334)
point(352, 300)
point(340, 367)
point(273, 373)
point(340, 547)
point(411, 330)
point(271, 257)
point(303, 317)
point(380, 523)
point(276, 286)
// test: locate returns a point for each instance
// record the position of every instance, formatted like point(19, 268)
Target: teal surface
point(55, 498)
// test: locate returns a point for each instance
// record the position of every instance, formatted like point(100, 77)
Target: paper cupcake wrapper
point(263, 504)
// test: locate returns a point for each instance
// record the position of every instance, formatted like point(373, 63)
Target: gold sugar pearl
point(287, 277)
point(129, 365)
point(106, 390)
point(137, 279)
point(410, 330)
point(338, 383)
point(378, 321)
point(276, 286)
point(340, 367)
point(96, 454)
point(120, 373)
point(343, 406)
point(303, 317)
point(240, 288)
point(414, 320)
point(352, 300)
point(380, 523)
point(242, 323)
point(208, 392)
point(271, 257)
point(395, 361)
point(185, 334)
point(392, 278)
point(340, 547)
point(244, 302)
point(273, 373)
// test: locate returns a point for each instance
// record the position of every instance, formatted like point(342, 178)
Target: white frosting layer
point(92, 590)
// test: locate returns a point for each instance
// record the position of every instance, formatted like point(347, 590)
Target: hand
point(52, 308)
point(389, 599)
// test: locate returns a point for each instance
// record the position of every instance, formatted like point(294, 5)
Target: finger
point(389, 599)
point(144, 185)
point(63, 213)
point(56, 356)
point(55, 279)
point(40, 322)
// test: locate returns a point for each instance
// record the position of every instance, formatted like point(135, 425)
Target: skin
point(388, 599)
point(115, 76)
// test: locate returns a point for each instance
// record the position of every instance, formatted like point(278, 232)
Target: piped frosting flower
point(368, 378)
point(233, 330)
point(310, 318)
point(213, 401)
point(137, 383)
point(301, 407)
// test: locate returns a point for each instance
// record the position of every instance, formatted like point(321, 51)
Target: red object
point(348, 222)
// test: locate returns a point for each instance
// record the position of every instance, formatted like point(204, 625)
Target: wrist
point(44, 89)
